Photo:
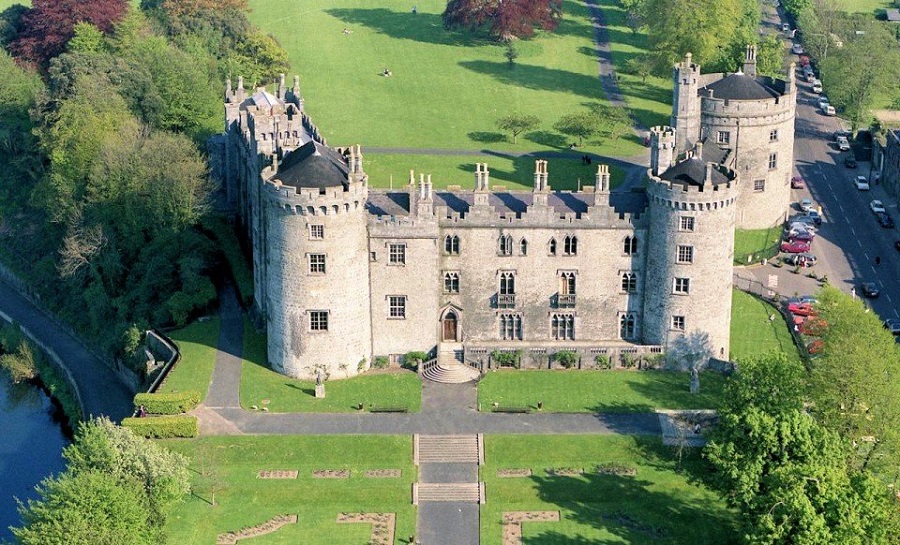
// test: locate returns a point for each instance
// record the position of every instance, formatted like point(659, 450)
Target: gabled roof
point(313, 165)
point(739, 86)
point(692, 172)
point(266, 99)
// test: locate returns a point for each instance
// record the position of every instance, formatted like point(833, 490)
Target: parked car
point(842, 143)
point(804, 60)
point(869, 290)
point(797, 49)
point(822, 102)
point(814, 326)
point(877, 206)
point(885, 220)
point(809, 75)
point(815, 216)
point(785, 27)
point(808, 299)
point(799, 227)
point(797, 183)
point(850, 162)
point(801, 260)
point(816, 86)
point(806, 205)
point(795, 246)
point(800, 235)
point(892, 325)
point(861, 182)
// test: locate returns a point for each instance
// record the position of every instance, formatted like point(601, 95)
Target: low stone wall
point(587, 357)
point(160, 345)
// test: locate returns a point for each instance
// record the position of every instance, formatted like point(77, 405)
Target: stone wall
point(891, 174)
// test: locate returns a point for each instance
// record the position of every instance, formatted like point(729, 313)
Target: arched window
point(626, 325)
point(567, 283)
point(570, 245)
point(511, 327)
point(451, 245)
point(505, 245)
point(629, 282)
point(451, 282)
point(551, 248)
point(562, 327)
point(507, 283)
point(523, 247)
point(630, 246)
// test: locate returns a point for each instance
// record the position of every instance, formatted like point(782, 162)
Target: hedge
point(171, 403)
point(164, 427)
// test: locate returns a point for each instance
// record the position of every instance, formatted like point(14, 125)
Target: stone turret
point(662, 149)
point(685, 106)
point(541, 184)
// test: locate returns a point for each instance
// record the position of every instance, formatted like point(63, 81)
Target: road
point(850, 238)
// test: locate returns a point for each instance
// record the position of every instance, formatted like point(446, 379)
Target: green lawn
point(197, 344)
point(263, 387)
point(863, 6)
point(753, 333)
point(758, 243)
point(598, 391)
point(658, 505)
point(229, 465)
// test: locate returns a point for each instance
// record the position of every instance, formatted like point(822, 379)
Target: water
point(31, 443)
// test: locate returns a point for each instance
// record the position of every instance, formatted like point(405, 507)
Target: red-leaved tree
point(49, 25)
point(505, 18)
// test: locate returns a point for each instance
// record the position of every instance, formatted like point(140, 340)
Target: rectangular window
point(686, 223)
point(773, 161)
point(316, 263)
point(773, 135)
point(562, 327)
point(511, 327)
point(685, 254)
point(317, 231)
point(682, 285)
point(397, 307)
point(723, 137)
point(678, 323)
point(318, 320)
point(397, 254)
point(759, 185)
point(372, 256)
point(451, 282)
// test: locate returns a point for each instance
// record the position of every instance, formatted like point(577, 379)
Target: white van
point(828, 109)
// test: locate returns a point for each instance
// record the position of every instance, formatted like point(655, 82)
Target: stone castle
point(345, 272)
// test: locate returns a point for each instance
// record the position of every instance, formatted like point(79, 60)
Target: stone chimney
point(229, 94)
point(541, 184)
point(425, 202)
point(482, 185)
point(750, 61)
point(601, 188)
point(281, 88)
point(240, 94)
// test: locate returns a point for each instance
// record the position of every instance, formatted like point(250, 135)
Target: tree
point(86, 508)
point(770, 57)
point(505, 20)
point(613, 122)
point(511, 54)
point(581, 125)
point(785, 472)
point(516, 124)
point(639, 66)
point(50, 24)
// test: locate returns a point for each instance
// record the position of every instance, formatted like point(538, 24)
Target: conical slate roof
point(692, 172)
point(740, 86)
point(313, 165)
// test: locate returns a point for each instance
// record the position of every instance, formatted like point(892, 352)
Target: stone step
point(448, 448)
point(466, 492)
point(451, 373)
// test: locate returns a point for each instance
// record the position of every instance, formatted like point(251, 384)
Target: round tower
point(316, 263)
point(688, 283)
point(685, 105)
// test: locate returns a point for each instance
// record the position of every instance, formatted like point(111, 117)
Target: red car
point(801, 309)
point(804, 60)
point(813, 327)
point(792, 246)
point(797, 183)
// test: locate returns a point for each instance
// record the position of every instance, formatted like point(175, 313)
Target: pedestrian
point(142, 411)
point(588, 159)
point(877, 260)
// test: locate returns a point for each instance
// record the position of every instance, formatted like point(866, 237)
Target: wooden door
point(450, 327)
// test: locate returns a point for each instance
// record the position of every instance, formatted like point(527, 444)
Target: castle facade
point(344, 272)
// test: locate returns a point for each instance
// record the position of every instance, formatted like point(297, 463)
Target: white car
point(862, 183)
point(828, 109)
point(806, 205)
point(877, 206)
point(816, 86)
point(797, 49)
point(842, 143)
point(785, 27)
point(822, 101)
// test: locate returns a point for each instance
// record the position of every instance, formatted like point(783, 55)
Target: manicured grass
point(658, 505)
point(447, 88)
point(230, 465)
point(863, 6)
point(197, 344)
point(286, 395)
point(598, 391)
point(392, 170)
point(650, 101)
point(753, 333)
point(757, 243)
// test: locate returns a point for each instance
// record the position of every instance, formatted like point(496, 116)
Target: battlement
point(315, 201)
point(718, 190)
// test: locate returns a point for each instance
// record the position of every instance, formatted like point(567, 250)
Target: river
point(31, 443)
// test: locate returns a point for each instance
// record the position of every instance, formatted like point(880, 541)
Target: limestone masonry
point(344, 272)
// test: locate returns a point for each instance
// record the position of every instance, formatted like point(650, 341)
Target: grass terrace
point(598, 391)
point(643, 496)
point(757, 244)
point(197, 344)
point(754, 333)
point(262, 387)
point(228, 467)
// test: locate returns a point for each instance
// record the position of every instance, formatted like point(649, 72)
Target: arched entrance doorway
point(450, 327)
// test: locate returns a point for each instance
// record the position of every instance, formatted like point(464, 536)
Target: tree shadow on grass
point(548, 138)
point(633, 509)
point(539, 77)
point(405, 25)
point(486, 137)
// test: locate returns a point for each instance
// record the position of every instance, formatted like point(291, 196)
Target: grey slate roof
point(396, 203)
point(893, 15)
point(740, 86)
point(313, 165)
point(692, 172)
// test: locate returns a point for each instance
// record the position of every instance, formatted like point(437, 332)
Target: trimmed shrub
point(415, 356)
point(603, 361)
point(164, 427)
point(381, 362)
point(507, 359)
point(173, 403)
point(566, 358)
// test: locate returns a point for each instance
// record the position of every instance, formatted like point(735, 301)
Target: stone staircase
point(461, 449)
point(450, 368)
point(464, 492)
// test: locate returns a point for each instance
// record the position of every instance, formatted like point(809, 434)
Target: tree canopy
point(504, 19)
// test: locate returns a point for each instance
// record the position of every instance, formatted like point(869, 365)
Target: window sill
point(396, 317)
